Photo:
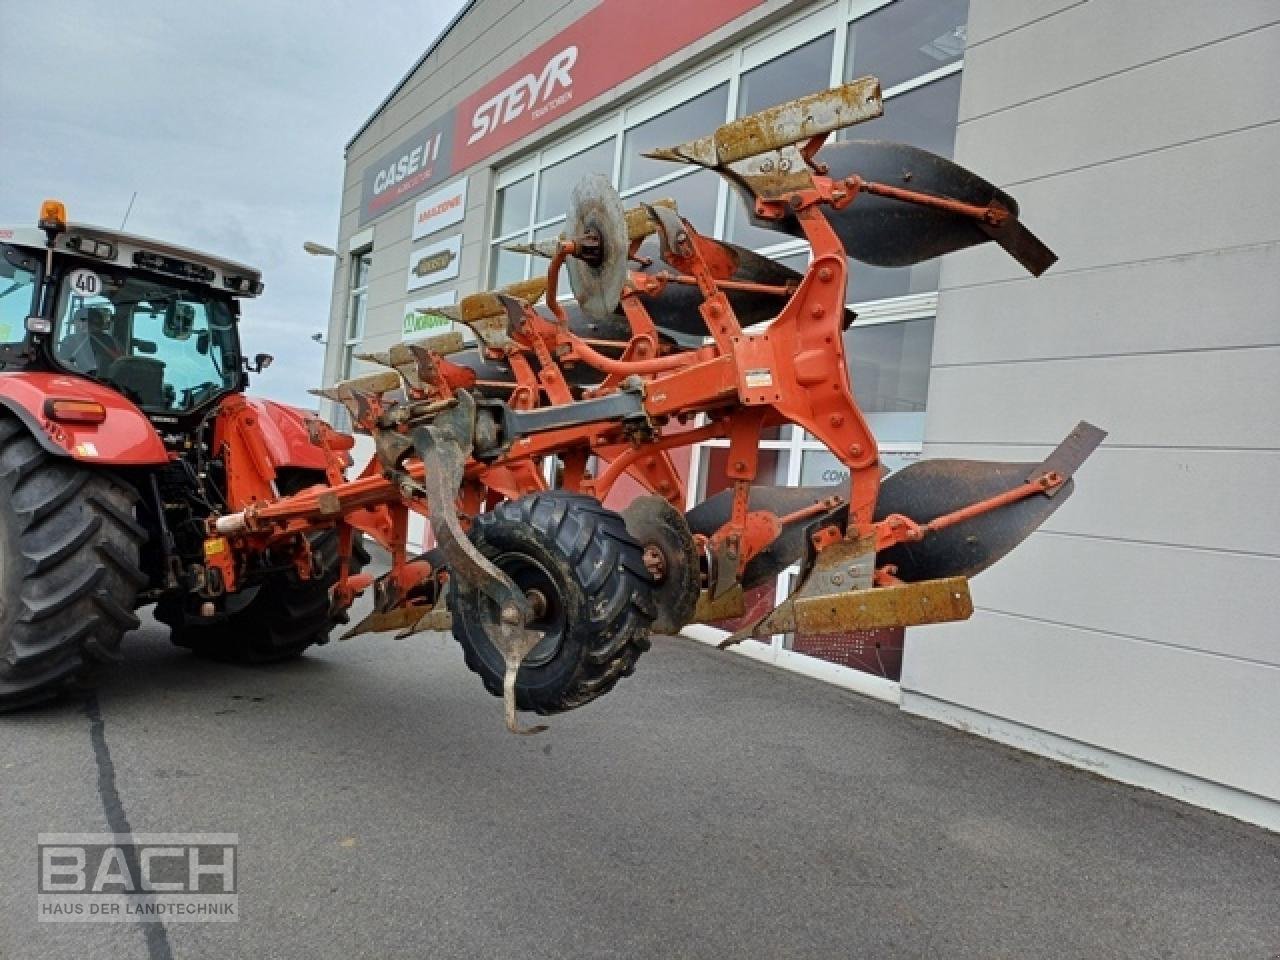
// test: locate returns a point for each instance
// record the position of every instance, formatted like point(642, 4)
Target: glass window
point(924, 117)
point(558, 180)
point(866, 282)
point(820, 468)
point(695, 197)
point(505, 267)
point(690, 120)
point(889, 366)
point(803, 70)
point(168, 348)
point(906, 39)
point(799, 262)
point(17, 297)
point(513, 205)
point(361, 261)
point(358, 305)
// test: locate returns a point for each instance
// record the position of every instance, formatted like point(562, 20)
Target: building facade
point(1130, 635)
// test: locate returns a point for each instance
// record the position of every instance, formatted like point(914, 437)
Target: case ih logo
point(410, 168)
point(528, 92)
point(416, 164)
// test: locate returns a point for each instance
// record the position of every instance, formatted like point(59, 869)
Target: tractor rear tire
point(69, 568)
point(594, 593)
point(287, 615)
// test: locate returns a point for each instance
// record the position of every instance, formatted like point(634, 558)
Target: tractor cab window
point(166, 347)
point(17, 296)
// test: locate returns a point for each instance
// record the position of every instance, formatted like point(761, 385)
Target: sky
point(228, 118)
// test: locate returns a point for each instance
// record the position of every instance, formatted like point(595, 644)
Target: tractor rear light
point(75, 411)
point(39, 325)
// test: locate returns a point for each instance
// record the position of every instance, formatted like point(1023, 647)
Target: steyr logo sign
point(529, 92)
point(609, 44)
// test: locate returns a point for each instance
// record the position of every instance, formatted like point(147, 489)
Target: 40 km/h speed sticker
point(86, 283)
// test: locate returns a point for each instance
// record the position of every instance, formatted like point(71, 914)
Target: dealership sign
point(417, 164)
point(440, 208)
point(606, 46)
point(435, 262)
point(419, 321)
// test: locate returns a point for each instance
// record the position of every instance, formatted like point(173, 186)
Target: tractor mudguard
point(125, 438)
point(286, 436)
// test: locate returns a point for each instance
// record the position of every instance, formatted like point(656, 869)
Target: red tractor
point(133, 469)
point(121, 380)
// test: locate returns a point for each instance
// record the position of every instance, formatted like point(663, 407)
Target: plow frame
point(651, 398)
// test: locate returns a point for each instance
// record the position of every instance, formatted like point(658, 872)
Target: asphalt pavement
point(709, 807)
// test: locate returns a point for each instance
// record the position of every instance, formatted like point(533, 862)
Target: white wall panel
point(1182, 596)
point(1200, 498)
point(1215, 398)
point(1212, 716)
point(1173, 100)
point(1219, 299)
point(1196, 197)
point(1095, 39)
point(1140, 621)
point(996, 17)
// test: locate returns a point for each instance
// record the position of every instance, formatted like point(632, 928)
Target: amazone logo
point(444, 206)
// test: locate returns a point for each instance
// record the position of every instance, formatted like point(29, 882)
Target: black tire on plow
point(594, 599)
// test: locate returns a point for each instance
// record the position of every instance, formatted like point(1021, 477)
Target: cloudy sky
point(229, 119)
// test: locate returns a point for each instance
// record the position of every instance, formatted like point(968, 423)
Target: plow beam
point(782, 126)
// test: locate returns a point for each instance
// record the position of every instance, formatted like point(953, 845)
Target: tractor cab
point(154, 322)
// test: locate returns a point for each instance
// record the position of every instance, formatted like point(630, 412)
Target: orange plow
point(510, 443)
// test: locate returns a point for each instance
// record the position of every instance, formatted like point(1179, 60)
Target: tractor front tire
point(69, 568)
point(594, 601)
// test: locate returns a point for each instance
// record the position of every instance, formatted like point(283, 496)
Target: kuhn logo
point(529, 92)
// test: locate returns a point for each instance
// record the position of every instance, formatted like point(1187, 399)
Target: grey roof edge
point(462, 12)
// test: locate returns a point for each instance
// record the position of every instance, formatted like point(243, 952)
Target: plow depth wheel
point(588, 590)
